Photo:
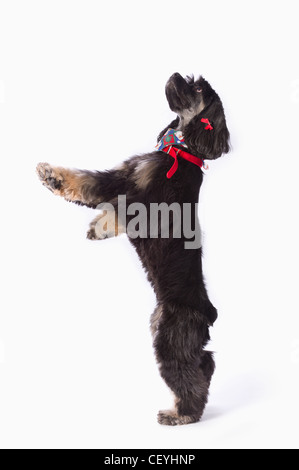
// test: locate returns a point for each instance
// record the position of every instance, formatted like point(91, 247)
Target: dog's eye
point(198, 89)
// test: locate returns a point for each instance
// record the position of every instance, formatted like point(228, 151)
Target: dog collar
point(173, 137)
point(175, 153)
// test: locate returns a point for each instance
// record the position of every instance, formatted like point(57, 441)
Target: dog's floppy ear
point(173, 125)
point(204, 141)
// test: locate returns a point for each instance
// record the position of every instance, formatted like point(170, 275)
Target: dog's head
point(193, 101)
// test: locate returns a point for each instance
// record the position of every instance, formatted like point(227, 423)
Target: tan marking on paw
point(49, 177)
point(69, 184)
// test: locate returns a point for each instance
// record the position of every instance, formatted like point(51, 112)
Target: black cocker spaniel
point(162, 188)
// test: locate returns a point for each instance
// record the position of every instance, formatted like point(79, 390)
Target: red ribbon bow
point(208, 127)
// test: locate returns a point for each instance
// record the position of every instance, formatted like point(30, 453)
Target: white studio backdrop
point(82, 85)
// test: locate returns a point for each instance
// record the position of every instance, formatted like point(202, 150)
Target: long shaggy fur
point(181, 320)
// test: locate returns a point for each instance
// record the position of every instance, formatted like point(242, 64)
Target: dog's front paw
point(102, 227)
point(171, 418)
point(92, 235)
point(49, 177)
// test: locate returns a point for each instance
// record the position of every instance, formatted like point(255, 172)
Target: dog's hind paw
point(171, 418)
point(49, 177)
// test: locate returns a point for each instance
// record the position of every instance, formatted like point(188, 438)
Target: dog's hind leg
point(186, 368)
point(190, 384)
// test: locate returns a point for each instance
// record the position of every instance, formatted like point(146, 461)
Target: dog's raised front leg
point(81, 186)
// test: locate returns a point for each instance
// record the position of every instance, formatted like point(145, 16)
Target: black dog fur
point(180, 323)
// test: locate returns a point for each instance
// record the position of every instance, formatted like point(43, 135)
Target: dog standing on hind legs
point(172, 174)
